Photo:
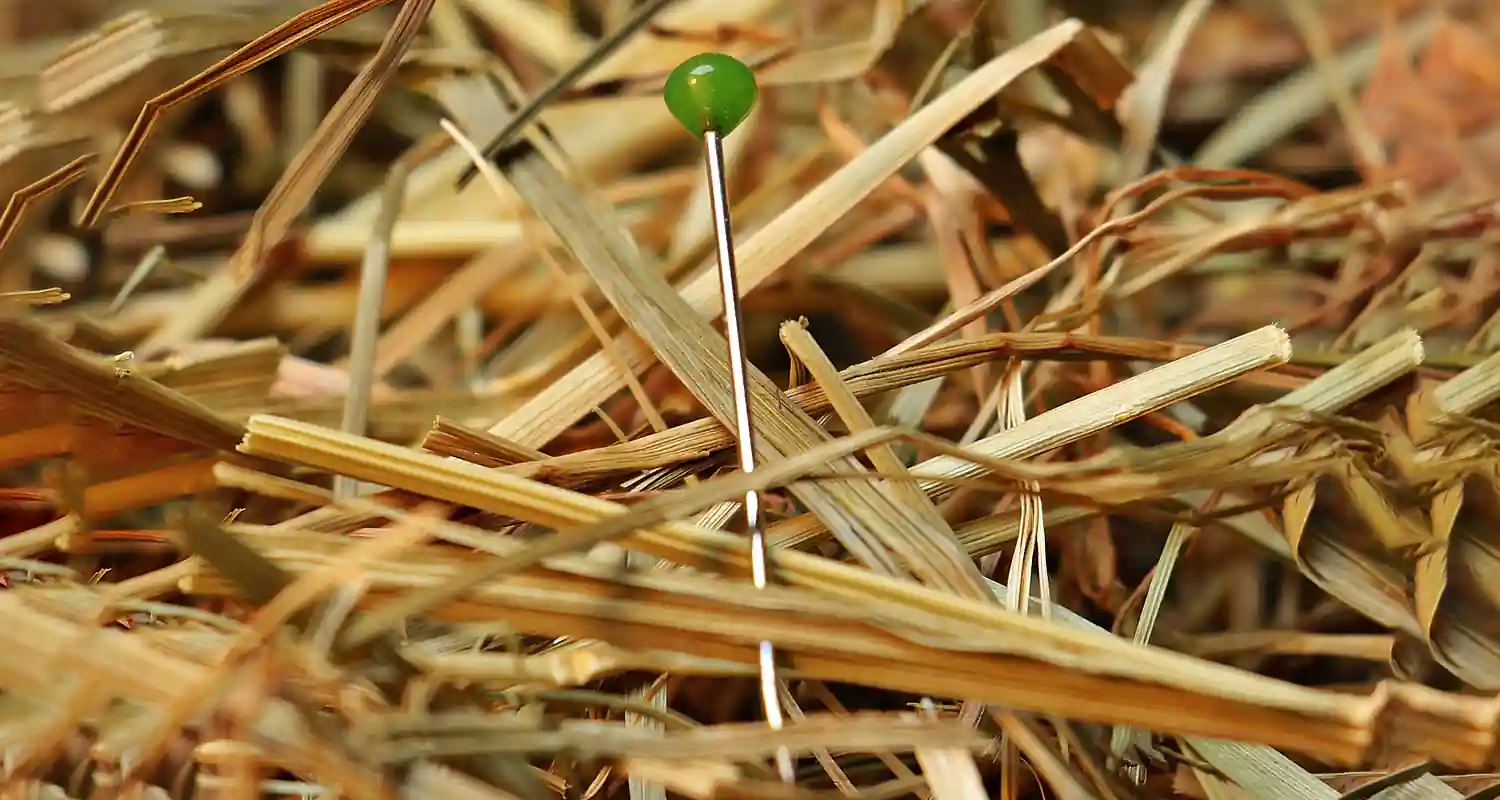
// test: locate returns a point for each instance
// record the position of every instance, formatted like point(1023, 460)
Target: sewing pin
point(711, 94)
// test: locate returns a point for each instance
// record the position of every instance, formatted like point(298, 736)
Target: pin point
point(711, 94)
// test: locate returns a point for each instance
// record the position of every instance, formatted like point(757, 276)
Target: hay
point(1095, 470)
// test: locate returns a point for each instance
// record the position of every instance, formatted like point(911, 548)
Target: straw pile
point(1126, 387)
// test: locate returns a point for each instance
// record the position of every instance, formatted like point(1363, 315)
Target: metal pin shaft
point(739, 372)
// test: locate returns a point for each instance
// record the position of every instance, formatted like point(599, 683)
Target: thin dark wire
point(740, 383)
point(563, 82)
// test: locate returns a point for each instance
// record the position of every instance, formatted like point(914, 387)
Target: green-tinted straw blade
point(711, 92)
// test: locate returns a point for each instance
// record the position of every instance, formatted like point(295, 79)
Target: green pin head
point(711, 92)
